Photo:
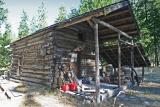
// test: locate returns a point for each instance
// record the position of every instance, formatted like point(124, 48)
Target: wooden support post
point(119, 60)
point(132, 55)
point(97, 63)
point(79, 64)
point(142, 74)
point(132, 62)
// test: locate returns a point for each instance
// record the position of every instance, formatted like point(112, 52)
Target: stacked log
point(40, 57)
point(33, 66)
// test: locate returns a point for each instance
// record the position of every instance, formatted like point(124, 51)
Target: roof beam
point(111, 27)
point(120, 21)
point(120, 27)
point(81, 19)
point(114, 35)
point(116, 14)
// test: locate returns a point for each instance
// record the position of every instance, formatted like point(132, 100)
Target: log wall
point(34, 66)
point(28, 54)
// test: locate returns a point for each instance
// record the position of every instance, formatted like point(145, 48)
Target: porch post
point(132, 55)
point(142, 74)
point(97, 62)
point(132, 61)
point(119, 60)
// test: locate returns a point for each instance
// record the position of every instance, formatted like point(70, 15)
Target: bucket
point(73, 86)
point(65, 87)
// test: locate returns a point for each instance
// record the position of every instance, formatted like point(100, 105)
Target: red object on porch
point(73, 86)
point(65, 87)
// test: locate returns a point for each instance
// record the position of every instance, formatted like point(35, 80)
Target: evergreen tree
point(3, 13)
point(33, 25)
point(74, 12)
point(23, 26)
point(147, 13)
point(42, 16)
point(62, 14)
point(86, 5)
point(5, 40)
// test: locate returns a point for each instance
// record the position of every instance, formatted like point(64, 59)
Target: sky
point(15, 8)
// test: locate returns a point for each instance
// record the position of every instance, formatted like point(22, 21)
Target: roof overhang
point(119, 15)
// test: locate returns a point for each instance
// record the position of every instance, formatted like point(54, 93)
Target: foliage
point(3, 13)
point(88, 5)
point(62, 14)
point(39, 21)
point(5, 40)
point(85, 6)
point(74, 12)
point(147, 13)
point(42, 16)
point(23, 27)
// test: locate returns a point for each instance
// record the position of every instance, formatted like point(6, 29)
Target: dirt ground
point(147, 95)
point(27, 95)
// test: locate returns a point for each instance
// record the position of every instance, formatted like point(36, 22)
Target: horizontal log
point(120, 21)
point(87, 56)
point(80, 20)
point(65, 35)
point(69, 40)
point(37, 58)
point(28, 45)
point(116, 14)
point(31, 45)
point(36, 76)
point(112, 28)
point(30, 55)
point(32, 80)
point(36, 71)
point(39, 38)
point(36, 62)
point(32, 36)
point(32, 50)
point(120, 27)
point(38, 67)
point(115, 35)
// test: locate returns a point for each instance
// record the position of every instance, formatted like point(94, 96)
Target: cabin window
point(43, 51)
point(19, 66)
point(81, 36)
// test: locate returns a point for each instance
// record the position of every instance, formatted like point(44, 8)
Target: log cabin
point(45, 56)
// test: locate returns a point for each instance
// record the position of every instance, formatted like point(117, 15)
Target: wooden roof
point(119, 15)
